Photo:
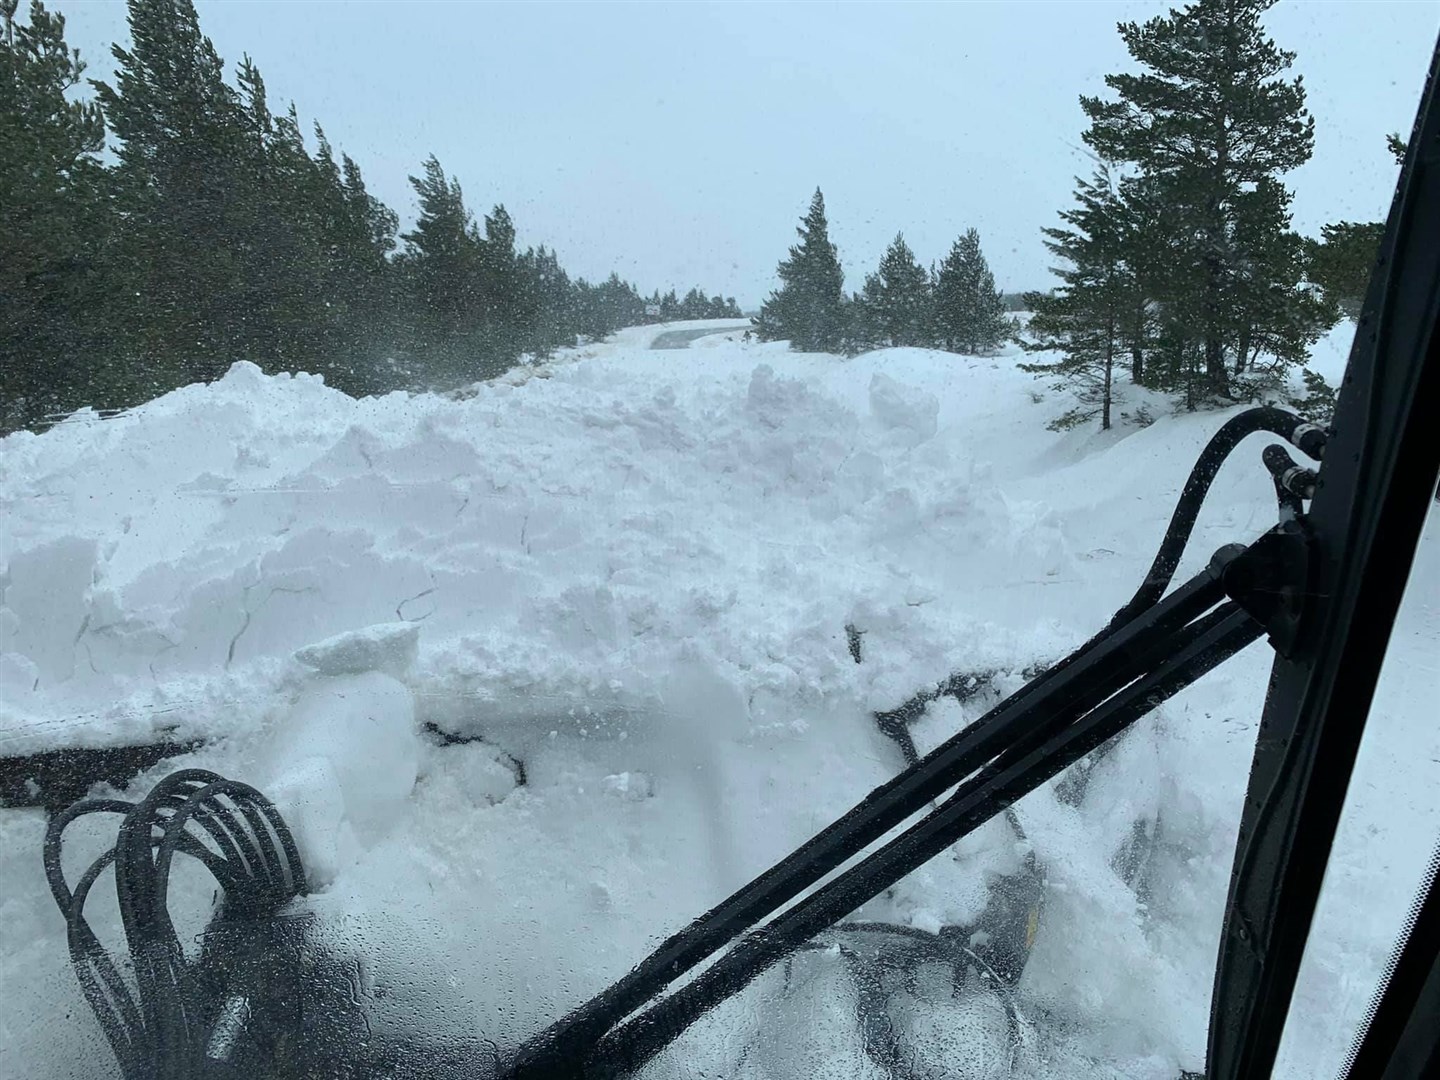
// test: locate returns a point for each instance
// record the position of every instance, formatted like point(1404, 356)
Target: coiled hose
point(158, 1031)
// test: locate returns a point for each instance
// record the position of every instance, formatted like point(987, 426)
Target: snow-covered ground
point(628, 574)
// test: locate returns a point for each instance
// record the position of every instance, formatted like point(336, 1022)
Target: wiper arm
point(1127, 670)
point(1055, 742)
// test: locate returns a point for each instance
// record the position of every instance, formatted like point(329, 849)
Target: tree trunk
point(1109, 375)
point(1189, 379)
point(1214, 344)
point(1135, 321)
point(1215, 373)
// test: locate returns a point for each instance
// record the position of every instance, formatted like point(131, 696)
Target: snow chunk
point(908, 411)
point(349, 738)
point(310, 797)
point(630, 786)
point(244, 375)
point(773, 401)
point(484, 774)
point(43, 604)
point(386, 647)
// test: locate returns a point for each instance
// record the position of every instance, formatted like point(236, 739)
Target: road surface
point(680, 339)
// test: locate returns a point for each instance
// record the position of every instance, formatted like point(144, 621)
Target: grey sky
point(679, 143)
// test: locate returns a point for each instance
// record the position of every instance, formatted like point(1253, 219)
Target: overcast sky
point(679, 143)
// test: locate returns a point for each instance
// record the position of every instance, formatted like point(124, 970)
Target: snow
point(388, 647)
point(623, 577)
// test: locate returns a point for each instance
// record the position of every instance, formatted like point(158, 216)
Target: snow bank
point(540, 674)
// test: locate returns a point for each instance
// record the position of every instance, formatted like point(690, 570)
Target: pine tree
point(505, 327)
point(1271, 319)
point(314, 282)
point(1207, 123)
point(180, 186)
point(54, 354)
point(548, 298)
point(602, 309)
point(695, 305)
point(1084, 319)
point(345, 238)
point(1341, 261)
point(365, 236)
point(969, 311)
point(441, 268)
point(896, 304)
point(276, 295)
point(809, 308)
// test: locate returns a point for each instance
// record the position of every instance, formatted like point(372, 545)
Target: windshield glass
point(561, 458)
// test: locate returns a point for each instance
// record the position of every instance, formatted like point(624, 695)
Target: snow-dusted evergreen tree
point(1207, 126)
point(1084, 319)
point(969, 312)
point(809, 309)
point(54, 222)
point(1341, 262)
point(184, 162)
point(895, 306)
point(233, 240)
point(441, 261)
point(547, 303)
point(507, 325)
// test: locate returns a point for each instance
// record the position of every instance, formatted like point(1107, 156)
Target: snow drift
point(539, 673)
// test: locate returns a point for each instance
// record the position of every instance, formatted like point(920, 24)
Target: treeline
point(215, 233)
point(693, 305)
point(953, 306)
point(1178, 266)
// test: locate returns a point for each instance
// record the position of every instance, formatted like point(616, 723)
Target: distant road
point(680, 339)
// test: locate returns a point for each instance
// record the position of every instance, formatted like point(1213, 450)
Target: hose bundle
point(160, 1028)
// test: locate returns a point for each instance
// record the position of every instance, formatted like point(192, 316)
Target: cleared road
point(680, 339)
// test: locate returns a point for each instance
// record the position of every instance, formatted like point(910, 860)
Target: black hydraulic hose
point(1293, 483)
point(155, 950)
point(154, 1032)
point(1306, 437)
point(119, 1021)
point(1294, 429)
point(168, 996)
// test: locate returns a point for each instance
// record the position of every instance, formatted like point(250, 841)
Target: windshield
point(561, 458)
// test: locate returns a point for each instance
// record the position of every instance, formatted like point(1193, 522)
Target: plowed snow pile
point(624, 580)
